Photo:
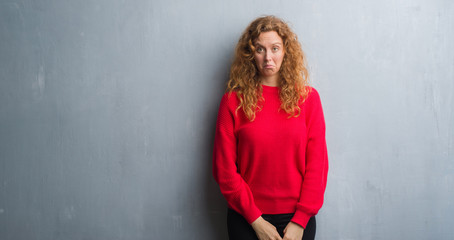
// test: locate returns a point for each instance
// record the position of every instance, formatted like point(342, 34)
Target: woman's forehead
point(268, 38)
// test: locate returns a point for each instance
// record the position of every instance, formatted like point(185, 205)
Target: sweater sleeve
point(235, 190)
point(316, 166)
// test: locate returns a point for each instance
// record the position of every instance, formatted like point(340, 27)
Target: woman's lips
point(268, 66)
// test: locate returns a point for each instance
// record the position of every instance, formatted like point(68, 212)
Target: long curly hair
point(293, 73)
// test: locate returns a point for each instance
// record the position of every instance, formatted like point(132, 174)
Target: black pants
point(239, 229)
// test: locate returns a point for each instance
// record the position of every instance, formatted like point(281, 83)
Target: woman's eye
point(259, 49)
point(275, 49)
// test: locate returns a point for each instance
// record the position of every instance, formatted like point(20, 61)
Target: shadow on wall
point(216, 206)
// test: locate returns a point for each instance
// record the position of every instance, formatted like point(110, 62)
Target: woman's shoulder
point(313, 97)
point(230, 99)
point(310, 92)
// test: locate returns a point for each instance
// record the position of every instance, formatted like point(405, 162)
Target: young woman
point(270, 158)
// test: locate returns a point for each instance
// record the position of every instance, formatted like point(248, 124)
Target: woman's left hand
point(293, 231)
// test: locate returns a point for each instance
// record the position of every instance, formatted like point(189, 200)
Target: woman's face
point(269, 53)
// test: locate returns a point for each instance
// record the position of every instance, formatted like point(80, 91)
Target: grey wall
point(107, 112)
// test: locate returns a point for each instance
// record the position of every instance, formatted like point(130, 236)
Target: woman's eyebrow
point(276, 43)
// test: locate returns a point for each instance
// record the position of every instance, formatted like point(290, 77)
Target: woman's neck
point(272, 81)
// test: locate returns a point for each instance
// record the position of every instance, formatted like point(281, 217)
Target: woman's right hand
point(265, 230)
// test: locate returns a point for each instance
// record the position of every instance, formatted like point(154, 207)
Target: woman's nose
point(268, 55)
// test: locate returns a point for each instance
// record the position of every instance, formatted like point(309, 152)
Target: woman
point(270, 156)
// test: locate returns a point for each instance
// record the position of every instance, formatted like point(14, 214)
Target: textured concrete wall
point(107, 112)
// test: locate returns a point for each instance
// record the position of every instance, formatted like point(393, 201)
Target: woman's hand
point(265, 230)
point(293, 231)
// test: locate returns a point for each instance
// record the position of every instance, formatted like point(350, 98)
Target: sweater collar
point(269, 89)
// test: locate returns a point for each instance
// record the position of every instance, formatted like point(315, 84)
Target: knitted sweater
point(274, 164)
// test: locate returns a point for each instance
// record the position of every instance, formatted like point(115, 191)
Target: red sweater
point(274, 164)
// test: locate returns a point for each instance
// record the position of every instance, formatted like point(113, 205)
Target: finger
point(277, 236)
point(286, 237)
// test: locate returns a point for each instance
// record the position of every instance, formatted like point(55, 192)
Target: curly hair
point(293, 73)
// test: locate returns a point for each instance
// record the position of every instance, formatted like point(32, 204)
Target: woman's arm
point(235, 190)
point(316, 165)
